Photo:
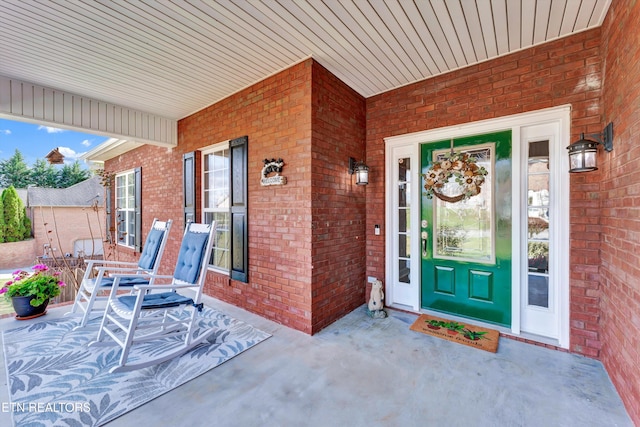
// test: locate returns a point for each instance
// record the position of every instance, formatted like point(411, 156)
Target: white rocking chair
point(93, 289)
point(156, 312)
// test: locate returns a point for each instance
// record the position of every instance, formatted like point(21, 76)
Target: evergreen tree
point(14, 213)
point(42, 174)
point(71, 175)
point(1, 220)
point(14, 172)
point(26, 225)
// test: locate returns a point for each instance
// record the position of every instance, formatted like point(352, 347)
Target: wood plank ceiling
point(174, 58)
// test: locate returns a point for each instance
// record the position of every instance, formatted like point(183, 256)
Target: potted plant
point(473, 335)
point(30, 292)
point(434, 324)
point(453, 327)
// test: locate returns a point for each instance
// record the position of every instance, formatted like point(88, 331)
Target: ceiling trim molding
point(109, 149)
point(29, 102)
point(248, 85)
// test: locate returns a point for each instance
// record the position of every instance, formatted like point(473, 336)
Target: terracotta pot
point(24, 310)
point(452, 332)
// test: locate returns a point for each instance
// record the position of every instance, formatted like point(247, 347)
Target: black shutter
point(239, 201)
point(189, 187)
point(137, 173)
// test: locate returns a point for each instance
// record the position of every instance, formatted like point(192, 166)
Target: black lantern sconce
point(583, 153)
point(360, 169)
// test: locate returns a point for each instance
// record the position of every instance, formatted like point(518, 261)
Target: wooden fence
point(71, 271)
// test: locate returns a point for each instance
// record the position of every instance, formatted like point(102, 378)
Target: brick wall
point(306, 238)
point(161, 171)
point(275, 114)
point(338, 205)
point(620, 201)
point(565, 71)
point(17, 255)
point(61, 226)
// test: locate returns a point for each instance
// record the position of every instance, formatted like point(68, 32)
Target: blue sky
point(36, 141)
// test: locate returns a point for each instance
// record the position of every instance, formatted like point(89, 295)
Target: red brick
point(619, 180)
point(315, 122)
point(552, 74)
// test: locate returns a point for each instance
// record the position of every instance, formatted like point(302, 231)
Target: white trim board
point(561, 116)
point(28, 102)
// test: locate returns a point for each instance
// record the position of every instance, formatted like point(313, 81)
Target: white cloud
point(69, 154)
point(50, 129)
point(86, 143)
point(5, 131)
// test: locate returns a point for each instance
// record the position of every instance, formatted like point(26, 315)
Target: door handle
point(424, 237)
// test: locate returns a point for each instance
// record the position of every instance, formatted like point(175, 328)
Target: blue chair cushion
point(151, 249)
point(125, 281)
point(190, 256)
point(162, 300)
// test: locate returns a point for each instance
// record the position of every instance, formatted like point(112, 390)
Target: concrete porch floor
point(365, 372)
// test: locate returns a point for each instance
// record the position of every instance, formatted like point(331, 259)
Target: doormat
point(472, 336)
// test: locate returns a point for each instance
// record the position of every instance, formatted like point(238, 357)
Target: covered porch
point(318, 84)
point(376, 372)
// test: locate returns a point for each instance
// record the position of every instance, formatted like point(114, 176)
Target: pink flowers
point(40, 285)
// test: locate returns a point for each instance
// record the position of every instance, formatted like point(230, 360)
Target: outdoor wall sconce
point(360, 169)
point(583, 153)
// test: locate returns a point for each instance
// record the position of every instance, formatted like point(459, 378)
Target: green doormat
point(472, 336)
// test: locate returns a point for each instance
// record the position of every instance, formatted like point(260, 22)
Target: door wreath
point(460, 166)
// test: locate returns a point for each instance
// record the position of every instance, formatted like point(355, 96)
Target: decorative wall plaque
point(272, 166)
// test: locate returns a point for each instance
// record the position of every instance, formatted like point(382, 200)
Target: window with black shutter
point(239, 196)
point(224, 200)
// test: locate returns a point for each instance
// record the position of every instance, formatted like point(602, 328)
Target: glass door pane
point(464, 229)
point(404, 222)
point(538, 175)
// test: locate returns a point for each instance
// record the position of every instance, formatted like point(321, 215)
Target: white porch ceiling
point(175, 58)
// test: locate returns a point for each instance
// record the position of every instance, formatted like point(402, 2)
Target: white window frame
point(130, 180)
point(218, 245)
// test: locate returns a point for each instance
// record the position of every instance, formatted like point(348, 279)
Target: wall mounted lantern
point(360, 169)
point(583, 153)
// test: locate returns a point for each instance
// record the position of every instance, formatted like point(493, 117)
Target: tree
point(14, 172)
point(42, 174)
point(1, 220)
point(71, 175)
point(14, 213)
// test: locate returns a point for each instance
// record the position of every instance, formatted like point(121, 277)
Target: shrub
point(1, 221)
point(15, 217)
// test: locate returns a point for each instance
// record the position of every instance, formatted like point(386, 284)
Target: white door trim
point(560, 115)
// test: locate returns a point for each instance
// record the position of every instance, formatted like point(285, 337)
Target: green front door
point(466, 245)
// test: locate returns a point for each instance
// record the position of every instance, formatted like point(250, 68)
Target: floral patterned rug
point(54, 379)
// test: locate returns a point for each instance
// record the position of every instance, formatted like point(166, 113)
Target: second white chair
point(96, 289)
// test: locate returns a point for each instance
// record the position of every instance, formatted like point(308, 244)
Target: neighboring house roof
point(22, 193)
point(82, 194)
